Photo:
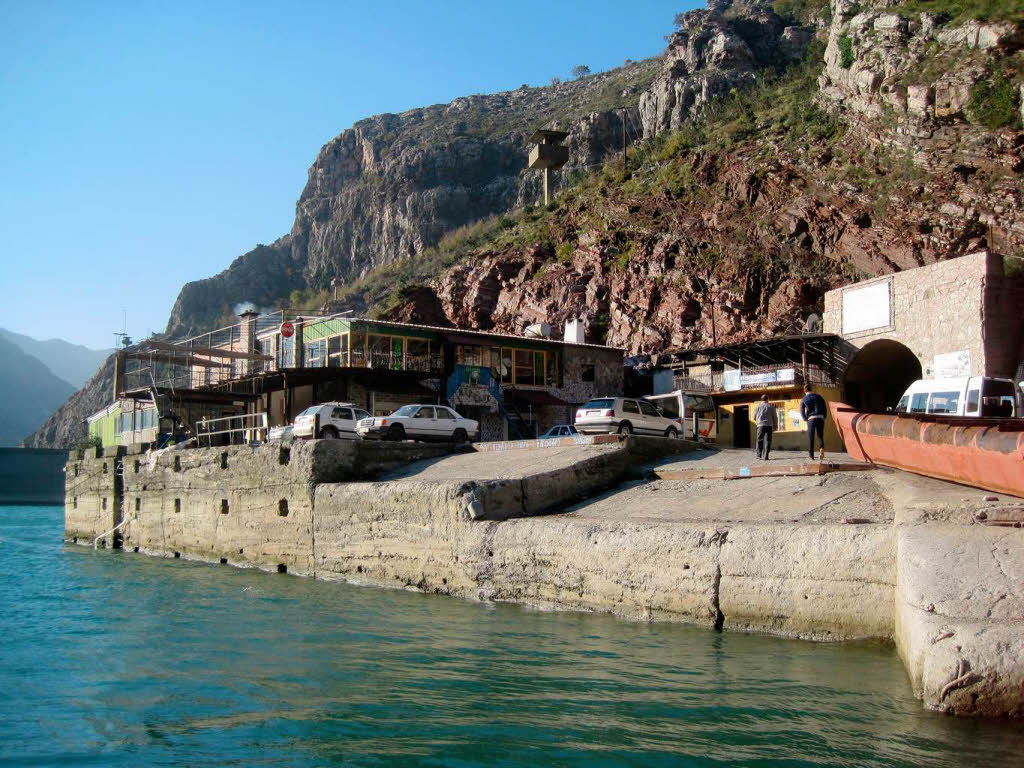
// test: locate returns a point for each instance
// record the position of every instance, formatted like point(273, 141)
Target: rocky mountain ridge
point(391, 186)
point(770, 162)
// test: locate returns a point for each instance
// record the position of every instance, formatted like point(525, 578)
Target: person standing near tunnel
point(813, 410)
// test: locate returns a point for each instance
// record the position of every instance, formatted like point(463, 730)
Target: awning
point(535, 397)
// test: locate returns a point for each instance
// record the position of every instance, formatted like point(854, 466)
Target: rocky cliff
point(896, 143)
point(777, 151)
point(391, 186)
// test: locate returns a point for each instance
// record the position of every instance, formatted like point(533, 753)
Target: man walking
point(767, 421)
point(813, 410)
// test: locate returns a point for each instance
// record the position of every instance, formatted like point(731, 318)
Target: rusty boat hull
point(984, 453)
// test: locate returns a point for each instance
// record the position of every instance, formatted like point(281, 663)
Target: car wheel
point(671, 433)
point(396, 433)
point(625, 428)
point(459, 436)
point(329, 433)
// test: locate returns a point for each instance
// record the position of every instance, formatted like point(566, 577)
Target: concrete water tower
point(549, 154)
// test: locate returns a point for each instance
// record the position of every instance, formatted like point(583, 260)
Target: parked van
point(693, 411)
point(979, 396)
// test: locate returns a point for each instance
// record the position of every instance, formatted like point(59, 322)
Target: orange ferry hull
point(985, 453)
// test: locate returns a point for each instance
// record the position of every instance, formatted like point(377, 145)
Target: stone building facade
point(953, 318)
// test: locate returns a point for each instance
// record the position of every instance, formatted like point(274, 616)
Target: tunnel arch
point(879, 374)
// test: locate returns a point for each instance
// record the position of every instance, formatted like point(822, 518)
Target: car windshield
point(606, 403)
point(406, 410)
point(310, 411)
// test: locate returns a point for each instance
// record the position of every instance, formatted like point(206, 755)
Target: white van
point(693, 411)
point(978, 396)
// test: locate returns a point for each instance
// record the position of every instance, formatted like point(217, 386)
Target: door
point(654, 422)
point(341, 418)
point(423, 424)
point(446, 423)
point(741, 426)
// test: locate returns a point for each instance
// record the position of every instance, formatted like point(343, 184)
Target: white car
point(436, 423)
point(624, 415)
point(331, 421)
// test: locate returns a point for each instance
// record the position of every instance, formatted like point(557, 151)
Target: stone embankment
point(934, 567)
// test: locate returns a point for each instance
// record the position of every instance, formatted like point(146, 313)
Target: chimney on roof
point(247, 338)
point(574, 331)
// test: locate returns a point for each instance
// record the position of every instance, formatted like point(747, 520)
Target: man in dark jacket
point(813, 410)
point(767, 421)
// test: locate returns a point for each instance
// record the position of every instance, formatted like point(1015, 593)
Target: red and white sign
point(287, 329)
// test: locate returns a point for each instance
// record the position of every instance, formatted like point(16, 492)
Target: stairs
point(518, 427)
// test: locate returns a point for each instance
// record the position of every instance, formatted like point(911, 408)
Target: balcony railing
point(396, 362)
point(779, 375)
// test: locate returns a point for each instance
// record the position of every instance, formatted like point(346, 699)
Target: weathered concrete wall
point(92, 494)
point(960, 617)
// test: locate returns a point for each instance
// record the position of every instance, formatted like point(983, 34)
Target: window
point(524, 367)
point(342, 413)
point(552, 376)
point(538, 367)
point(669, 407)
point(444, 413)
point(780, 414)
point(999, 399)
point(647, 409)
point(425, 412)
point(506, 366)
point(901, 406)
point(361, 414)
point(602, 404)
point(943, 402)
point(471, 355)
point(406, 410)
point(700, 404)
point(919, 402)
point(973, 400)
point(496, 359)
point(588, 373)
point(630, 406)
point(316, 354)
point(358, 349)
point(337, 351)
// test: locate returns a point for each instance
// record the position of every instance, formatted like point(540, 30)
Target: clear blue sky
point(148, 144)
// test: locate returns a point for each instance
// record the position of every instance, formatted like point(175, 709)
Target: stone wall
point(92, 494)
point(964, 304)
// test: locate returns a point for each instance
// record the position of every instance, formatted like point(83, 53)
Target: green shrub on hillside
point(994, 104)
point(846, 57)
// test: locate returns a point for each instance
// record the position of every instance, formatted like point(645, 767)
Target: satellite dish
point(812, 324)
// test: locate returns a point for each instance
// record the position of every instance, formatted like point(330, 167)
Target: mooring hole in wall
point(284, 456)
point(135, 549)
point(177, 555)
point(223, 506)
point(224, 460)
point(223, 561)
point(177, 506)
point(138, 503)
point(104, 502)
point(137, 466)
point(105, 470)
point(177, 463)
point(76, 470)
point(74, 502)
point(282, 568)
point(282, 507)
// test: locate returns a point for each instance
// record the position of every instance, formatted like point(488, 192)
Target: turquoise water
point(114, 659)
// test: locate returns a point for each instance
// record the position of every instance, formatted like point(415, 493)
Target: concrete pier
point(588, 525)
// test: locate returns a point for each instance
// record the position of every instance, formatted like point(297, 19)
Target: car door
point(423, 424)
point(447, 422)
point(342, 419)
point(654, 422)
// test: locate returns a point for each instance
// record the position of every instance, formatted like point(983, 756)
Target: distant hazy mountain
point(29, 393)
point(72, 362)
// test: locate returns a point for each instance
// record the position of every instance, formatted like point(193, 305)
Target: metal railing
point(240, 429)
point(395, 362)
point(777, 375)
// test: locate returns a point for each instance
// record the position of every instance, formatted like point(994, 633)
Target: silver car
point(625, 416)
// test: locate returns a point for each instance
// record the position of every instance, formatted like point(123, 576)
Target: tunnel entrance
point(879, 374)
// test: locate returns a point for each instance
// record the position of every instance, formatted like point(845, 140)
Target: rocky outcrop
point(712, 52)
point(392, 185)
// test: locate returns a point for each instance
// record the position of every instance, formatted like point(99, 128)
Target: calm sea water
point(114, 659)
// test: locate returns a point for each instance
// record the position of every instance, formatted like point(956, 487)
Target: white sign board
point(952, 364)
point(730, 380)
point(866, 308)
